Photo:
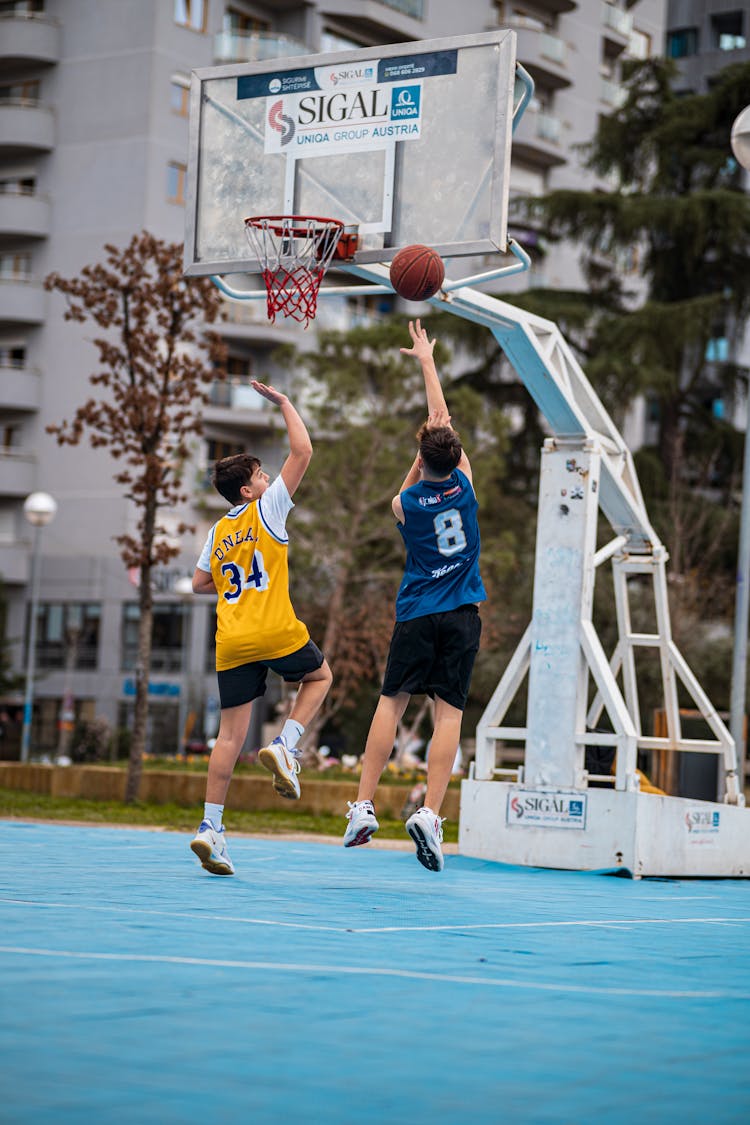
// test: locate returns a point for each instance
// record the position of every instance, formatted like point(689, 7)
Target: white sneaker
point(362, 823)
point(426, 830)
point(283, 765)
point(210, 846)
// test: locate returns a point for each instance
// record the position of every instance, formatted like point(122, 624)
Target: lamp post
point(183, 587)
point(39, 509)
point(740, 141)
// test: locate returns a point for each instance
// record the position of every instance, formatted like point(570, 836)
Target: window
point(9, 7)
point(68, 635)
point(16, 185)
point(9, 438)
point(13, 356)
point(20, 91)
point(717, 348)
point(682, 43)
point(15, 267)
point(727, 32)
point(179, 98)
point(216, 449)
point(240, 23)
point(168, 636)
point(176, 182)
point(191, 13)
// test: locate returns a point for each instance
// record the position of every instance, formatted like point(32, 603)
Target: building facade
point(93, 148)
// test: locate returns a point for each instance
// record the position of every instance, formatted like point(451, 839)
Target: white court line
point(192, 915)
point(371, 971)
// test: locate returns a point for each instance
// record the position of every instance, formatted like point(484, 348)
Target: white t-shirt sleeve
point(274, 506)
point(204, 562)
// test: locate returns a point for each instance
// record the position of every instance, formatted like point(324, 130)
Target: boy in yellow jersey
point(244, 563)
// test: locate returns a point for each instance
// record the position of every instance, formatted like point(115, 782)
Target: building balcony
point(238, 404)
point(22, 301)
point(617, 26)
point(612, 93)
point(22, 213)
point(538, 139)
point(233, 46)
point(398, 20)
point(248, 321)
point(19, 389)
point(545, 56)
point(25, 126)
point(16, 473)
point(15, 563)
point(28, 37)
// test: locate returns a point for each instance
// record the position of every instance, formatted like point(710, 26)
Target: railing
point(239, 396)
point(552, 47)
point(55, 656)
point(548, 128)
point(613, 93)
point(619, 21)
point(413, 8)
point(237, 46)
point(162, 659)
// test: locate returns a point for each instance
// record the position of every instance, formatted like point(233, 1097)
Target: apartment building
point(93, 147)
point(703, 37)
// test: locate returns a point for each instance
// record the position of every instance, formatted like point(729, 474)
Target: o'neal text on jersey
point(229, 541)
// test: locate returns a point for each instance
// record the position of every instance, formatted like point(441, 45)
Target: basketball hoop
point(295, 251)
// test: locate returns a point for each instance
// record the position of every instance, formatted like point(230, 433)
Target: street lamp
point(183, 587)
point(740, 141)
point(39, 509)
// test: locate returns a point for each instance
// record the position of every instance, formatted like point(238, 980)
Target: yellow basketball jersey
point(250, 569)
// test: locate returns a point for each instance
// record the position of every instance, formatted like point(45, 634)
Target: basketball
point(417, 273)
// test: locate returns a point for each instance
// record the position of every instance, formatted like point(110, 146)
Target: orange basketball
point(417, 272)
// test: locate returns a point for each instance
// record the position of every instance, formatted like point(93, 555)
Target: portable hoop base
point(295, 251)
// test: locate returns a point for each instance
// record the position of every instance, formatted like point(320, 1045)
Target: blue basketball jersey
point(441, 534)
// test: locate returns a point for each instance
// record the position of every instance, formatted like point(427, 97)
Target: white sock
point(214, 814)
point(292, 732)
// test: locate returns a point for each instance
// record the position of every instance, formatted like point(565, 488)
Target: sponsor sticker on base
point(702, 826)
point(554, 808)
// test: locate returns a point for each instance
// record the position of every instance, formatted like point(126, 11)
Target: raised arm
point(300, 446)
point(437, 410)
point(422, 349)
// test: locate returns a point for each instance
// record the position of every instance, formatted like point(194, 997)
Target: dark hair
point(440, 449)
point(230, 473)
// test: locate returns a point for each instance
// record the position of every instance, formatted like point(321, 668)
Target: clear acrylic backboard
point(409, 143)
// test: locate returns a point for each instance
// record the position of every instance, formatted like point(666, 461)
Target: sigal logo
point(516, 806)
point(281, 122)
point(351, 74)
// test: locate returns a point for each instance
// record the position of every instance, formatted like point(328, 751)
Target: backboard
point(409, 142)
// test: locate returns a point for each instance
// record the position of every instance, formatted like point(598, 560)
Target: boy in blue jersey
point(436, 636)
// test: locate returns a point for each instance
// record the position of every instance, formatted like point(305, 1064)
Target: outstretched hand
point(268, 392)
point(422, 347)
point(438, 418)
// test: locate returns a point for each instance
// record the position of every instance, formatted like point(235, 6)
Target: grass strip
point(182, 818)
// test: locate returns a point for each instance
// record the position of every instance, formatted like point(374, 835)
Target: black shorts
point(434, 655)
point(248, 681)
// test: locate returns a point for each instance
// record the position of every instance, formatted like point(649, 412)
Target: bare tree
point(157, 361)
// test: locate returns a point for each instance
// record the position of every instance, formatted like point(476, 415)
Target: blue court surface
point(330, 985)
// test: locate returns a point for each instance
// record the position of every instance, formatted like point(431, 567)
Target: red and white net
point(294, 252)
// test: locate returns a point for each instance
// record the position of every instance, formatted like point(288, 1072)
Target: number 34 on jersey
point(257, 579)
